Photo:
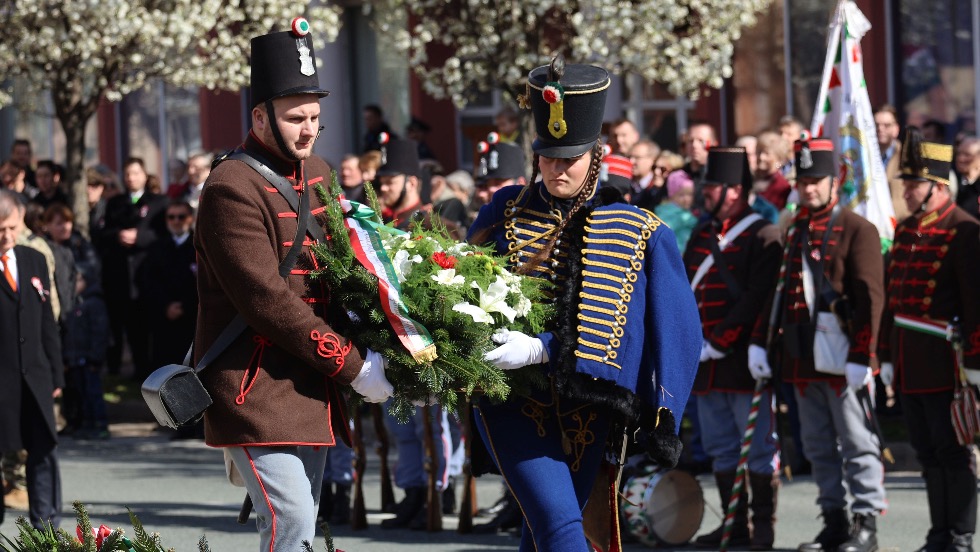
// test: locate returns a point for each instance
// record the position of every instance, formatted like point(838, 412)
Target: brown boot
point(16, 499)
point(764, 487)
point(740, 530)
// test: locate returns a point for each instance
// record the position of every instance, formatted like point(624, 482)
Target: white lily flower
point(494, 299)
point(478, 314)
point(448, 277)
point(523, 306)
point(402, 263)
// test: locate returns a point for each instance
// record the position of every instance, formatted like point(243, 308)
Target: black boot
point(835, 532)
point(961, 509)
point(407, 509)
point(937, 539)
point(740, 529)
point(341, 505)
point(864, 535)
point(764, 487)
point(326, 502)
point(507, 518)
point(449, 497)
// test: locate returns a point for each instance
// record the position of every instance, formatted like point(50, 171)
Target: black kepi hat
point(729, 165)
point(814, 158)
point(922, 160)
point(284, 64)
point(499, 160)
point(398, 156)
point(568, 103)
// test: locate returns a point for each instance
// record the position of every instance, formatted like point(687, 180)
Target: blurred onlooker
point(48, 177)
point(508, 124)
point(417, 130)
point(351, 179)
point(623, 136)
point(676, 210)
point(374, 125)
point(461, 183)
point(13, 177)
point(772, 153)
point(496, 171)
point(133, 221)
point(153, 184)
point(64, 261)
point(648, 191)
point(886, 126)
point(751, 145)
point(666, 163)
point(29, 238)
point(968, 172)
point(101, 184)
point(198, 169)
point(791, 129)
point(369, 163)
point(59, 225)
point(700, 137)
point(85, 339)
point(168, 286)
point(21, 155)
point(934, 131)
point(447, 204)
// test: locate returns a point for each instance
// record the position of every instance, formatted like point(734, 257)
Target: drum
point(662, 507)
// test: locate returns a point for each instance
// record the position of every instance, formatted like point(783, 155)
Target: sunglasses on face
point(180, 216)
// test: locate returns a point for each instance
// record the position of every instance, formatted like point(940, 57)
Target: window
point(656, 113)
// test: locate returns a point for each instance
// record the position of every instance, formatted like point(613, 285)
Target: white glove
point(858, 375)
point(371, 382)
point(759, 363)
point(972, 376)
point(516, 350)
point(887, 373)
point(710, 353)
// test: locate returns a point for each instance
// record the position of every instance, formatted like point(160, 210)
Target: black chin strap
point(932, 188)
point(271, 112)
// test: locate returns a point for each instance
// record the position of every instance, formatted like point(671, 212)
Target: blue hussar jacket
point(627, 333)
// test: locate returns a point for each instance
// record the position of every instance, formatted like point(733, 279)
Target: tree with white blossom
point(683, 44)
point(83, 51)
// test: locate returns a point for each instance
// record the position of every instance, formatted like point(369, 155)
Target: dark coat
point(854, 269)
point(932, 275)
point(276, 384)
point(29, 346)
point(86, 329)
point(65, 273)
point(726, 321)
point(169, 275)
point(120, 265)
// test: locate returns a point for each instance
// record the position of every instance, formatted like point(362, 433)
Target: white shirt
point(643, 183)
point(179, 240)
point(12, 265)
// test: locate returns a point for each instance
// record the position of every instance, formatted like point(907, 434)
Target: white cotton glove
point(972, 376)
point(710, 353)
point(887, 373)
point(371, 382)
point(759, 363)
point(858, 375)
point(516, 350)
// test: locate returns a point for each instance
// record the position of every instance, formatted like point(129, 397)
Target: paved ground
point(178, 489)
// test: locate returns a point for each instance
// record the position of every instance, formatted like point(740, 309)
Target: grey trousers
point(840, 444)
point(284, 483)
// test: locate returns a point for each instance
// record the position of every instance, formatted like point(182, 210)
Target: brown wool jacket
point(932, 276)
point(854, 268)
point(277, 383)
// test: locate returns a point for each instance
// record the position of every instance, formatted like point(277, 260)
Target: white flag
point(843, 114)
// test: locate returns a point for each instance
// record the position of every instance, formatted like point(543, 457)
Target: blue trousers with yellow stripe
point(550, 476)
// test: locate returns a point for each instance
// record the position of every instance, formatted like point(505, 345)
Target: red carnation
point(443, 260)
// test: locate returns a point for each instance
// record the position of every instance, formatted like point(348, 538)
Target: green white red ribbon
point(935, 328)
point(362, 228)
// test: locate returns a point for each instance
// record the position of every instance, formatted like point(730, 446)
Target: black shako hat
point(398, 156)
point(568, 103)
point(284, 64)
point(729, 165)
point(499, 160)
point(922, 160)
point(814, 158)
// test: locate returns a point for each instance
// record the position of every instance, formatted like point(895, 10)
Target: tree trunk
point(74, 128)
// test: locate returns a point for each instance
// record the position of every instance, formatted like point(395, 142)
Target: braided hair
point(591, 182)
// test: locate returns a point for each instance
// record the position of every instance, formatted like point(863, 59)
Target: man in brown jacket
point(276, 388)
point(931, 286)
point(831, 284)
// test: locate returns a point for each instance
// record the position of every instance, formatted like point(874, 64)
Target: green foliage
point(460, 340)
point(47, 539)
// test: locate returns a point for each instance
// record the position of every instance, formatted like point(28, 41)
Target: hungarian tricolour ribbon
point(363, 228)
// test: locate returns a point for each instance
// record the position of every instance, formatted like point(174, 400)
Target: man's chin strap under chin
point(932, 188)
point(271, 111)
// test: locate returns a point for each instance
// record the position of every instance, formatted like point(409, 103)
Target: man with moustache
point(832, 280)
point(276, 389)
